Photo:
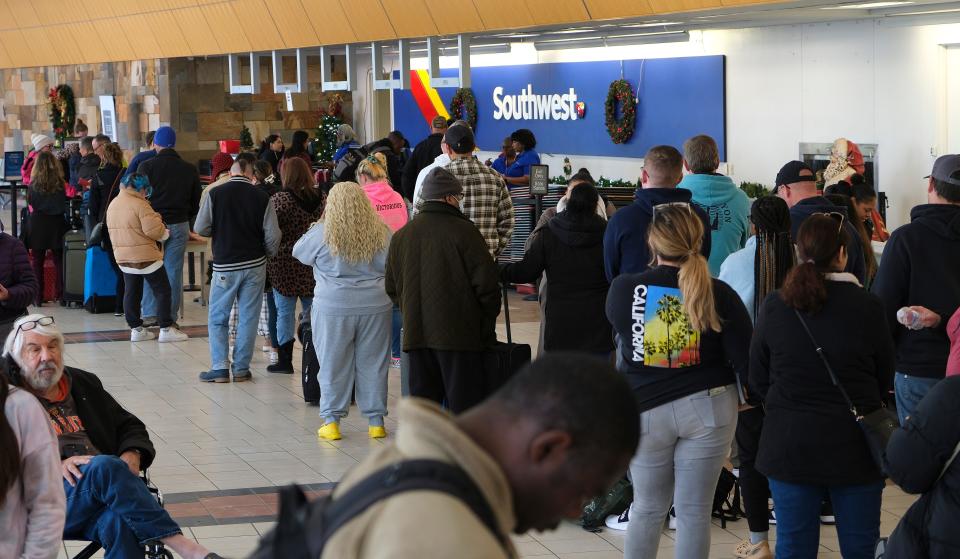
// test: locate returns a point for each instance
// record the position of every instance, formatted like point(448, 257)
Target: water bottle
point(909, 318)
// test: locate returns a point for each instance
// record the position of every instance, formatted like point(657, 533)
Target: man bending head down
point(103, 447)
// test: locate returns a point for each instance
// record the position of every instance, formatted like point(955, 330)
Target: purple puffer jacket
point(16, 275)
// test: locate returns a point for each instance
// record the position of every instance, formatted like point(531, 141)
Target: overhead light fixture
point(867, 5)
point(571, 31)
point(612, 40)
point(651, 24)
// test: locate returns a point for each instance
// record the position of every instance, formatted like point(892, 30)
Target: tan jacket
point(422, 524)
point(135, 229)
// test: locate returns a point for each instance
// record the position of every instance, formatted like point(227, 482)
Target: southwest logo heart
point(581, 109)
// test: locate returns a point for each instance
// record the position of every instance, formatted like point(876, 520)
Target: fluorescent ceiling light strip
point(867, 5)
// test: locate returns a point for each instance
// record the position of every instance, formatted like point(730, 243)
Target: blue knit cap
point(165, 137)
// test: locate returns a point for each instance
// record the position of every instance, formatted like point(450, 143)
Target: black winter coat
point(571, 253)
point(915, 457)
point(17, 276)
point(112, 429)
point(808, 434)
point(423, 155)
point(176, 186)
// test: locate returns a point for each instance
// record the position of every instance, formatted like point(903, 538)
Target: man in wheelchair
point(103, 448)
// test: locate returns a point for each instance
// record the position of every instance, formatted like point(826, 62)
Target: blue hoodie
point(625, 248)
point(729, 211)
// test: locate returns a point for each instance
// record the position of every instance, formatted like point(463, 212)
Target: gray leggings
point(683, 445)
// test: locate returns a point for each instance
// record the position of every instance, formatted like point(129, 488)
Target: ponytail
point(804, 288)
point(819, 241)
point(696, 285)
point(10, 457)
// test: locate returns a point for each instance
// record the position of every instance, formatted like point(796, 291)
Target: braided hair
point(774, 255)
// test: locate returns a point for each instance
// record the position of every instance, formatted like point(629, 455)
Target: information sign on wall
point(539, 180)
point(12, 163)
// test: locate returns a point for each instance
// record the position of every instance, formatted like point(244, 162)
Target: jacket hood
point(379, 191)
point(943, 219)
point(647, 198)
point(816, 205)
point(584, 232)
point(710, 190)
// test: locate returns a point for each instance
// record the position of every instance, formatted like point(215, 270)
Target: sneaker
point(215, 375)
point(118, 313)
point(149, 322)
point(377, 431)
point(772, 519)
point(619, 521)
point(672, 519)
point(826, 514)
point(761, 550)
point(242, 376)
point(172, 334)
point(141, 334)
point(266, 349)
point(394, 362)
point(329, 431)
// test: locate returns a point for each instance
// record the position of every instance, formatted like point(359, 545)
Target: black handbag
point(877, 426)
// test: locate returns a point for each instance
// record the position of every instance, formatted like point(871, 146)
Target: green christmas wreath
point(63, 111)
point(464, 99)
point(621, 129)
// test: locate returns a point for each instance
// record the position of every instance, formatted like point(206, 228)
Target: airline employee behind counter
point(518, 174)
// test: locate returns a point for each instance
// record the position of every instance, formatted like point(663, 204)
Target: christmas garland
point(464, 99)
point(63, 112)
point(621, 130)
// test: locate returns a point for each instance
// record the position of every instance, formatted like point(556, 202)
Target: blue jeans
point(245, 287)
point(174, 250)
point(397, 348)
point(287, 315)
point(856, 507)
point(111, 506)
point(909, 391)
point(272, 319)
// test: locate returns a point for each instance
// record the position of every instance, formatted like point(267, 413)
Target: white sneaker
point(672, 519)
point(266, 348)
point(619, 521)
point(141, 334)
point(172, 334)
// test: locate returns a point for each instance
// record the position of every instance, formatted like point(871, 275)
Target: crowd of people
point(686, 325)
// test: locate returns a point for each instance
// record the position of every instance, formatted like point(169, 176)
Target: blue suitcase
point(99, 282)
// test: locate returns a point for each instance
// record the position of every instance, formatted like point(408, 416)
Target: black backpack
point(726, 499)
point(346, 169)
point(304, 528)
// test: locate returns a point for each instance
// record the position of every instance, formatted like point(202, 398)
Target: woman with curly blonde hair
point(351, 312)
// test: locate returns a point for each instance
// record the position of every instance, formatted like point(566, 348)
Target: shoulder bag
point(877, 426)
point(97, 238)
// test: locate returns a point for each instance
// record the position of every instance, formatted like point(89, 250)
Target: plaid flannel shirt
point(486, 202)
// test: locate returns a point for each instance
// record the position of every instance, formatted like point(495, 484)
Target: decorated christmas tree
point(246, 140)
point(330, 120)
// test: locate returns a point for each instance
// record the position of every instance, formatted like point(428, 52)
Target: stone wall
point(141, 100)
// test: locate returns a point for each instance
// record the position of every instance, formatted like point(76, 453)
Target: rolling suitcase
point(310, 365)
point(100, 282)
point(505, 359)
point(49, 278)
point(74, 261)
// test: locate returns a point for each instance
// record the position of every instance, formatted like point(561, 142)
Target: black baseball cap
point(790, 173)
point(460, 139)
point(944, 167)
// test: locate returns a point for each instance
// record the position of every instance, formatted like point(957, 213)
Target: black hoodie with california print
point(921, 267)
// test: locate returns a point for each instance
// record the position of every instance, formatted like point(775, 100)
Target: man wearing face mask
point(103, 447)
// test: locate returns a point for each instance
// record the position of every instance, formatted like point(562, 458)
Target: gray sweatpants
point(683, 445)
point(352, 350)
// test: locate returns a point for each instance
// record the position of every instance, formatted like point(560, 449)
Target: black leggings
point(134, 293)
point(118, 306)
point(753, 484)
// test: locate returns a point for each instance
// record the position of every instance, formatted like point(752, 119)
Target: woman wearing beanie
point(569, 252)
point(41, 144)
point(754, 272)
point(136, 232)
point(47, 199)
point(683, 341)
point(811, 447)
point(298, 205)
point(351, 311)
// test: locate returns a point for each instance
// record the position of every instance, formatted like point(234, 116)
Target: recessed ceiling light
point(867, 5)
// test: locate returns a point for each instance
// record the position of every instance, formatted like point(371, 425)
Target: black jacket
point(916, 455)
point(423, 155)
point(440, 273)
point(809, 435)
point(663, 357)
point(571, 253)
point(176, 186)
point(104, 189)
point(112, 429)
point(17, 276)
point(87, 167)
point(921, 266)
point(818, 204)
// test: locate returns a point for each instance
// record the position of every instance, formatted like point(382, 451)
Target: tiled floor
point(222, 446)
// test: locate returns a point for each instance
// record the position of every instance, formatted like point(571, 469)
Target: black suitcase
point(310, 365)
point(74, 267)
point(74, 214)
point(505, 359)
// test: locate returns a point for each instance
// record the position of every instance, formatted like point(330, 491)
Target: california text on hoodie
point(571, 253)
point(921, 267)
point(388, 204)
point(625, 249)
point(663, 358)
point(818, 205)
point(728, 209)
